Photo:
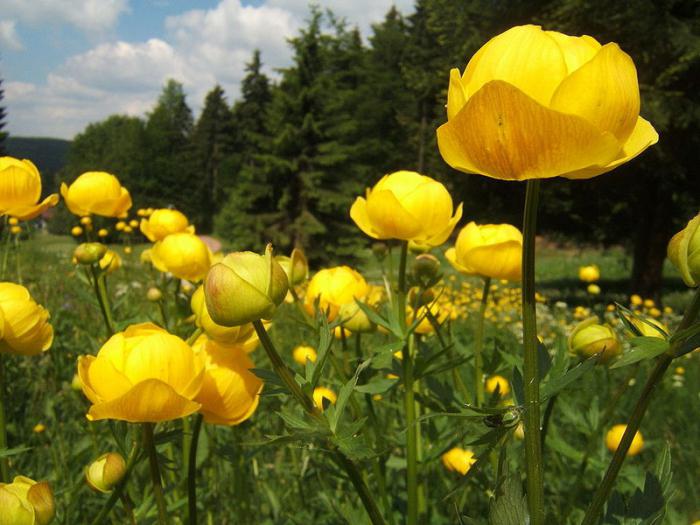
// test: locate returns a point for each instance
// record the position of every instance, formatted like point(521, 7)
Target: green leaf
point(344, 395)
point(373, 316)
point(642, 348)
point(556, 384)
point(511, 507)
point(8, 452)
point(377, 386)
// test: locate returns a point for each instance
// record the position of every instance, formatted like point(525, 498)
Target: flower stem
point(150, 446)
point(401, 292)
point(479, 344)
point(192, 472)
point(4, 462)
point(103, 299)
point(603, 491)
point(533, 448)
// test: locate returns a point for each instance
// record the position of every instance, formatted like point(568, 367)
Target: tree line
point(285, 160)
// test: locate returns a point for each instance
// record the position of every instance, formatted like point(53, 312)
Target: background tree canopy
point(284, 161)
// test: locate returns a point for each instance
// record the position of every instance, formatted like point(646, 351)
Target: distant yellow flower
point(105, 472)
point(302, 353)
point(407, 206)
point(96, 192)
point(333, 288)
point(76, 231)
point(589, 274)
point(162, 223)
point(321, 393)
point(119, 226)
point(497, 382)
point(489, 250)
point(26, 502)
point(128, 229)
point(86, 221)
point(614, 436)
point(540, 104)
point(184, 255)
point(25, 324)
point(684, 252)
point(12, 221)
point(15, 230)
point(230, 391)
point(20, 189)
point(635, 300)
point(39, 428)
point(593, 289)
point(127, 250)
point(143, 374)
point(102, 232)
point(458, 460)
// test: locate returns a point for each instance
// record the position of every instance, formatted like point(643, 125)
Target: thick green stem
point(603, 491)
point(4, 463)
point(98, 280)
point(150, 446)
point(479, 344)
point(192, 472)
point(533, 449)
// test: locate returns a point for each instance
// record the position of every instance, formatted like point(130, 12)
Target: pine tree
point(3, 116)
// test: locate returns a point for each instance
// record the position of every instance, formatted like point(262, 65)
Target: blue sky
point(66, 63)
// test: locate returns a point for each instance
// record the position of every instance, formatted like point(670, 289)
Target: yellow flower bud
point(128, 229)
point(133, 224)
point(635, 300)
point(111, 261)
point(408, 206)
point(333, 288)
point(25, 329)
point(143, 374)
point(244, 287)
point(589, 274)
point(589, 338)
point(162, 223)
point(96, 192)
point(120, 226)
point(614, 436)
point(154, 294)
point(105, 473)
point(26, 502)
point(684, 252)
point(39, 428)
point(536, 104)
point(86, 221)
point(230, 391)
point(458, 460)
point(89, 252)
point(13, 221)
point(593, 289)
point(322, 393)
point(489, 250)
point(20, 190)
point(76, 231)
point(302, 353)
point(497, 382)
point(295, 266)
point(15, 230)
point(127, 250)
point(184, 255)
point(102, 232)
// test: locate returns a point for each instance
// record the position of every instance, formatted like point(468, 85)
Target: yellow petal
point(389, 219)
point(149, 401)
point(103, 379)
point(604, 91)
point(26, 213)
point(358, 213)
point(524, 56)
point(499, 261)
point(577, 50)
point(442, 236)
point(451, 256)
point(456, 95)
point(504, 134)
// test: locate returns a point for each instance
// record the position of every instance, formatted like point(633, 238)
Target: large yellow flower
point(143, 374)
point(163, 222)
point(230, 391)
point(333, 288)
point(243, 335)
point(489, 250)
point(538, 104)
point(96, 192)
point(24, 325)
point(20, 189)
point(184, 255)
point(408, 206)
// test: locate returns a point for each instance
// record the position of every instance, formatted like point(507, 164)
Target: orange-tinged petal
point(508, 135)
point(390, 218)
point(604, 91)
point(523, 56)
point(456, 94)
point(149, 401)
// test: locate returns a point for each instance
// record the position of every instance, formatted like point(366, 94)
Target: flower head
point(26, 502)
point(162, 223)
point(614, 436)
point(458, 460)
point(24, 325)
point(489, 250)
point(334, 288)
point(20, 189)
point(184, 255)
point(589, 338)
point(96, 192)
point(105, 472)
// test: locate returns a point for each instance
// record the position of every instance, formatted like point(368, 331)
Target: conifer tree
point(3, 116)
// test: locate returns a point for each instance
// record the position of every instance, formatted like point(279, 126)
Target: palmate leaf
point(642, 348)
point(556, 384)
point(344, 396)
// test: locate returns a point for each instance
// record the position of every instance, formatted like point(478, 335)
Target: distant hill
point(49, 155)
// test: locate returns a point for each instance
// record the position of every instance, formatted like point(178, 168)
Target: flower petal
point(499, 261)
point(451, 256)
point(441, 237)
point(577, 50)
point(504, 134)
point(26, 213)
point(389, 218)
point(358, 213)
point(456, 94)
point(604, 91)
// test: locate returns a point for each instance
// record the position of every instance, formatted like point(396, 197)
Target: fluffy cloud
point(202, 47)
point(91, 16)
point(9, 38)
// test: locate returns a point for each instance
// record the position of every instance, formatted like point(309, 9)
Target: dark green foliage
point(3, 116)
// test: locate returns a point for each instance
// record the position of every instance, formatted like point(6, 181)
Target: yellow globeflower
point(593, 289)
point(96, 192)
point(589, 274)
point(20, 189)
point(143, 374)
point(497, 382)
point(245, 287)
point(230, 391)
point(111, 261)
point(303, 353)
point(321, 393)
point(408, 206)
point(15, 230)
point(614, 436)
point(13, 221)
point(243, 335)
point(684, 252)
point(105, 472)
point(25, 328)
point(184, 255)
point(120, 226)
point(536, 104)
point(76, 231)
point(26, 502)
point(458, 460)
point(489, 250)
point(333, 288)
point(164, 222)
point(589, 338)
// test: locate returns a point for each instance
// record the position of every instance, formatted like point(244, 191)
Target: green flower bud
point(245, 287)
point(296, 266)
point(89, 252)
point(105, 472)
point(154, 294)
point(684, 252)
point(590, 338)
point(426, 270)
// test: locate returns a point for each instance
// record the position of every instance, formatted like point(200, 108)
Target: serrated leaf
point(373, 316)
point(643, 348)
point(511, 507)
point(296, 420)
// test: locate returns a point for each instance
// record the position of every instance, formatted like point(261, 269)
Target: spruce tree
point(3, 116)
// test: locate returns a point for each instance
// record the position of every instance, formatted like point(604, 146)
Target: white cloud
point(202, 47)
point(91, 16)
point(8, 35)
